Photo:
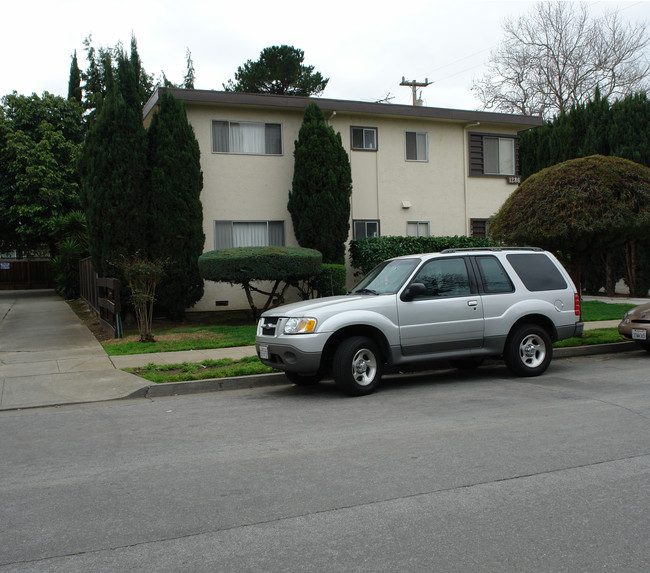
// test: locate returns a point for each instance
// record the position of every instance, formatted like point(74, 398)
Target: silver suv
point(460, 305)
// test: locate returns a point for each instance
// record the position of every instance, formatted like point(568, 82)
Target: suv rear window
point(537, 271)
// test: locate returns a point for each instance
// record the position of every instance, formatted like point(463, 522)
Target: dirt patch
point(191, 319)
point(89, 317)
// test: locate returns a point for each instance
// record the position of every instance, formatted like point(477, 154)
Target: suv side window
point(493, 275)
point(444, 278)
point(537, 271)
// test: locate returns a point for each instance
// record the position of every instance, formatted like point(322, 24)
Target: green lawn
point(593, 310)
point(195, 338)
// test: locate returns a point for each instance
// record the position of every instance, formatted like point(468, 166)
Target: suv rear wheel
point(528, 351)
point(357, 366)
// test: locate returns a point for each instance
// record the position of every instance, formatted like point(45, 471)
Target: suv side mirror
point(414, 290)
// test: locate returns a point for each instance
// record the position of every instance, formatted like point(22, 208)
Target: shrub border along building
point(366, 254)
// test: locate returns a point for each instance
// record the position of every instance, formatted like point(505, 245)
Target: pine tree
point(114, 175)
point(176, 183)
point(74, 83)
point(319, 200)
point(190, 76)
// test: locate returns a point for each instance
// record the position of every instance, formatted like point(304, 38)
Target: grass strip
point(187, 371)
point(590, 337)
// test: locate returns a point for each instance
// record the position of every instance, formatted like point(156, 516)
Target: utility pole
point(414, 85)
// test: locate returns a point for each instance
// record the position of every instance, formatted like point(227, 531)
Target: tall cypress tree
point(319, 200)
point(176, 183)
point(74, 83)
point(113, 169)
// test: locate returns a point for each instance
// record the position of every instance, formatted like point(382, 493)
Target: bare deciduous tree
point(557, 56)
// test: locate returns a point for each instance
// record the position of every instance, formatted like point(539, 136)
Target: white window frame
point(241, 138)
point(421, 146)
point(370, 142)
point(418, 229)
point(229, 234)
point(503, 161)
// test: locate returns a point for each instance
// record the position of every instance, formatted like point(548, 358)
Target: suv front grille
point(268, 326)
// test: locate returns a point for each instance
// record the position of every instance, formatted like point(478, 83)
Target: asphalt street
point(448, 471)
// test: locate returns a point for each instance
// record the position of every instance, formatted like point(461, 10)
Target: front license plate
point(638, 334)
point(264, 351)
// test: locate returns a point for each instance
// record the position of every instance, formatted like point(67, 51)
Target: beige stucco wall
point(255, 188)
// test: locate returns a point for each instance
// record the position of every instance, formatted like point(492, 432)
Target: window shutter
point(475, 154)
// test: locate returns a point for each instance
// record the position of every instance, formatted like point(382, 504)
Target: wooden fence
point(19, 274)
point(103, 295)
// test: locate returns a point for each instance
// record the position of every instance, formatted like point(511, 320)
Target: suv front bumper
point(288, 357)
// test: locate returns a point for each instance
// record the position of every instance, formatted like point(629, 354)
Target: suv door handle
point(472, 303)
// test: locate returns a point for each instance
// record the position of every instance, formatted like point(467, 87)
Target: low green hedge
point(245, 264)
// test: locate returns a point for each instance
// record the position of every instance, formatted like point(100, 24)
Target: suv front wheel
point(528, 351)
point(357, 366)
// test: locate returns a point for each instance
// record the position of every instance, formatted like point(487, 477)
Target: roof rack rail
point(465, 249)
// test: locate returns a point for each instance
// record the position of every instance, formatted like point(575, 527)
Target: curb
point(209, 385)
point(612, 348)
point(279, 379)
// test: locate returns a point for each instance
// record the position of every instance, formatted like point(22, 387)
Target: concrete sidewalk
point(48, 358)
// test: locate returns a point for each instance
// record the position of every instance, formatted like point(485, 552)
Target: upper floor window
point(416, 146)
point(364, 138)
point(492, 154)
point(246, 137)
point(499, 155)
point(229, 234)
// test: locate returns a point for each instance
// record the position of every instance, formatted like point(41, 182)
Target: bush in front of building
point(330, 281)
point(268, 271)
point(366, 254)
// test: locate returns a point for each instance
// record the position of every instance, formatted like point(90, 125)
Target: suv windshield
point(387, 277)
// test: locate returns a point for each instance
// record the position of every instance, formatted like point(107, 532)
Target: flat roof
point(330, 105)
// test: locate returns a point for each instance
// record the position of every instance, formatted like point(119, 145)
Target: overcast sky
point(363, 47)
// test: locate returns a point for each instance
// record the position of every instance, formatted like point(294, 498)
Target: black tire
point(466, 363)
point(303, 379)
point(357, 366)
point(645, 345)
point(528, 350)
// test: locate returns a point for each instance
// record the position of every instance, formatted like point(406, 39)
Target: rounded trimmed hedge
point(245, 264)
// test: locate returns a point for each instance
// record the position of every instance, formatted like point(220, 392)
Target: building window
point(478, 228)
point(364, 138)
point(229, 234)
point(363, 229)
point(492, 155)
point(499, 156)
point(416, 146)
point(246, 137)
point(417, 229)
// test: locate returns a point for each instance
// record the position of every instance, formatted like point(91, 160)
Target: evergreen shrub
point(330, 281)
point(244, 264)
point(366, 254)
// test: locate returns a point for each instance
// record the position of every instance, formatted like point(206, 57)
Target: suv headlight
point(302, 325)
